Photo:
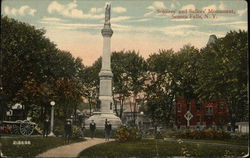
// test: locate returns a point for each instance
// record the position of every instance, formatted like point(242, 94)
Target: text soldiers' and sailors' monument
point(105, 92)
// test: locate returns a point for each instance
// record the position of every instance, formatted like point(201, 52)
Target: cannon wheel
point(26, 128)
point(15, 129)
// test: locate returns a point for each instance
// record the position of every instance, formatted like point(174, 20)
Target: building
point(242, 127)
point(201, 114)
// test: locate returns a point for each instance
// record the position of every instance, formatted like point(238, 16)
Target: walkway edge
point(72, 150)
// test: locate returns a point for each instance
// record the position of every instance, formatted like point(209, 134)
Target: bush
point(204, 134)
point(37, 131)
point(59, 127)
point(59, 130)
point(159, 136)
point(127, 134)
point(76, 132)
point(239, 136)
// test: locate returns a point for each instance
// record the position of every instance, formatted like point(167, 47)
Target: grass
point(152, 148)
point(38, 145)
point(229, 141)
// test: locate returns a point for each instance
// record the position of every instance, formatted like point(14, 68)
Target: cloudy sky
point(145, 26)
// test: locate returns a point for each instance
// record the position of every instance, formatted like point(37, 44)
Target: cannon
point(16, 122)
point(23, 127)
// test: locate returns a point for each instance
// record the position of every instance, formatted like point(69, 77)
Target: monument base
point(100, 118)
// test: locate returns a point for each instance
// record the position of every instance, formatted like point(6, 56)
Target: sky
point(145, 26)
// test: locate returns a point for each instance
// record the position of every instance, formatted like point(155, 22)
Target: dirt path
point(71, 150)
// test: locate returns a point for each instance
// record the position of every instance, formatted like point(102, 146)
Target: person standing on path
point(46, 128)
point(68, 130)
point(106, 122)
point(92, 127)
point(82, 130)
point(108, 128)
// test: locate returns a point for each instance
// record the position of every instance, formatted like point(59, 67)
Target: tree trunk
point(135, 109)
point(41, 117)
point(130, 105)
point(90, 106)
point(121, 108)
point(115, 104)
point(232, 111)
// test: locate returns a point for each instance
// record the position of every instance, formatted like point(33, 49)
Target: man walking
point(68, 130)
point(46, 128)
point(92, 127)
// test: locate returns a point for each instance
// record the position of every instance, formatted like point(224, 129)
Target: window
point(198, 119)
point(221, 120)
point(179, 107)
point(179, 120)
point(221, 107)
point(188, 107)
point(198, 107)
point(209, 110)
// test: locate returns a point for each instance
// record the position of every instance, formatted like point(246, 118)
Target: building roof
point(242, 123)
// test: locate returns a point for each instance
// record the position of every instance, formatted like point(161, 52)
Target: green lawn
point(229, 141)
point(37, 146)
point(152, 148)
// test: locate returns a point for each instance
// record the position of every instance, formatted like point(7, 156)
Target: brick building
point(203, 114)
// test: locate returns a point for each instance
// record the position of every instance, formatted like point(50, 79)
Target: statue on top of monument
point(107, 13)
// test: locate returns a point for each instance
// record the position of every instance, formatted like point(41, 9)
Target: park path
point(72, 150)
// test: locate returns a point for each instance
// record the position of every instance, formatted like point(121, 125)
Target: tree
point(161, 87)
point(223, 73)
point(135, 76)
point(90, 81)
point(120, 81)
point(33, 66)
point(186, 71)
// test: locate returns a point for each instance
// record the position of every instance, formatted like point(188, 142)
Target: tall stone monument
point(105, 92)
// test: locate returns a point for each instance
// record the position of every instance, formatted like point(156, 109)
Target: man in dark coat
point(108, 128)
point(68, 130)
point(46, 128)
point(92, 127)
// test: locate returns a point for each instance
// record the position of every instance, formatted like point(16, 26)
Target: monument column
point(105, 93)
point(106, 75)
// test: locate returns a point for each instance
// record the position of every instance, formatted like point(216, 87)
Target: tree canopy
point(35, 71)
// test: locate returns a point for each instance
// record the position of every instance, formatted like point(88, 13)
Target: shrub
point(159, 136)
point(59, 127)
point(204, 134)
point(127, 134)
point(59, 130)
point(239, 136)
point(37, 131)
point(76, 132)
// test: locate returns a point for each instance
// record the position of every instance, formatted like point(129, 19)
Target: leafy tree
point(90, 81)
point(223, 73)
point(21, 44)
point(187, 61)
point(161, 87)
point(135, 77)
point(33, 66)
point(120, 81)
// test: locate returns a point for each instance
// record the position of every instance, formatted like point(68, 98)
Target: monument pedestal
point(100, 118)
